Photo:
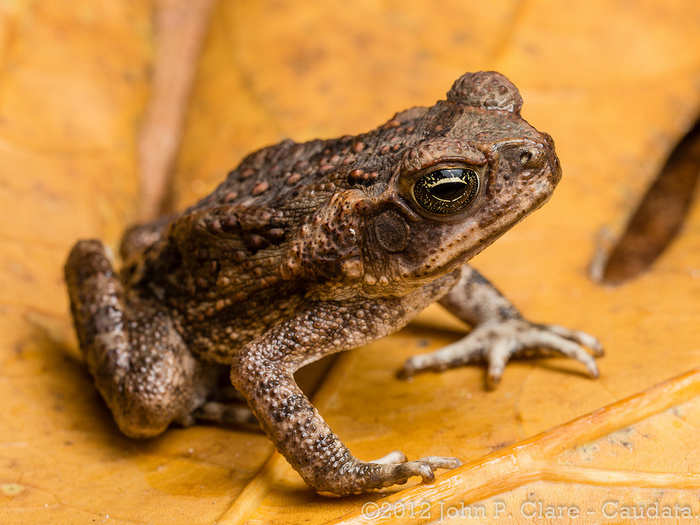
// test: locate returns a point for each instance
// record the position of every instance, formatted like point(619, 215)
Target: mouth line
point(463, 256)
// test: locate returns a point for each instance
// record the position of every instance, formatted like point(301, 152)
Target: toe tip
point(404, 374)
point(428, 476)
point(492, 382)
point(456, 462)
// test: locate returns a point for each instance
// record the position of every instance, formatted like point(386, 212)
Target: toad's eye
point(446, 190)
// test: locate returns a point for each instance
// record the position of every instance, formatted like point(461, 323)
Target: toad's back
point(247, 255)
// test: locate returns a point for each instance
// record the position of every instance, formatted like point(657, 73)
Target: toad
point(306, 249)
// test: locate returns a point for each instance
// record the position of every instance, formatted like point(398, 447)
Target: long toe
point(441, 462)
point(579, 337)
point(567, 348)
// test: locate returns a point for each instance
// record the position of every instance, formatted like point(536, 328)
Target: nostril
point(525, 157)
point(532, 158)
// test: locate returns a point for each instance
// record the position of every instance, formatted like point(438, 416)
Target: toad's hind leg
point(141, 366)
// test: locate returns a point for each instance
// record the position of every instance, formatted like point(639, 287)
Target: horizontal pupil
point(449, 190)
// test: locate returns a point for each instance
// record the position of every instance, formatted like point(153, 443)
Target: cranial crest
point(486, 90)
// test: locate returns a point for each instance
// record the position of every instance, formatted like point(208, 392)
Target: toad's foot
point(495, 342)
point(396, 469)
point(392, 469)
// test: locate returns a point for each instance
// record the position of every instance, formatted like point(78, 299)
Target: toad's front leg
point(263, 373)
point(499, 334)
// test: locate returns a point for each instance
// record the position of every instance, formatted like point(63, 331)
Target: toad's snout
point(552, 160)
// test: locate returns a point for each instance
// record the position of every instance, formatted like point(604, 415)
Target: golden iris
point(446, 190)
